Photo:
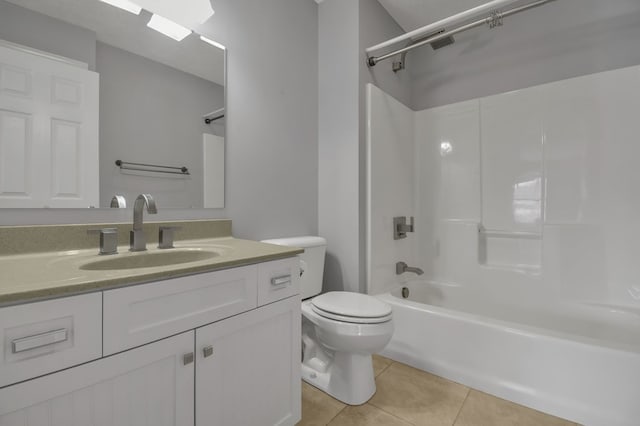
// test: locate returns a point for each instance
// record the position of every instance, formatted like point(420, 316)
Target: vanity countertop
point(35, 276)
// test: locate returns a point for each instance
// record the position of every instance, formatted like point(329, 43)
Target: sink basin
point(149, 259)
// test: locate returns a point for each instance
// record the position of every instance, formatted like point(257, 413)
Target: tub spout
point(402, 267)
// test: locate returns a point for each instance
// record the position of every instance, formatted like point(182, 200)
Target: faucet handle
point(108, 239)
point(400, 227)
point(118, 202)
point(165, 236)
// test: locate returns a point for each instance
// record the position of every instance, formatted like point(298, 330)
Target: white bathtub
point(578, 361)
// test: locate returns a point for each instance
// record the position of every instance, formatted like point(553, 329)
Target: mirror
point(94, 103)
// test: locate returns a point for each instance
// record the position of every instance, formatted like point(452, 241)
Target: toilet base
point(348, 377)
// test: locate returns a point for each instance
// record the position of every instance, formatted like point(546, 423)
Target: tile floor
point(410, 397)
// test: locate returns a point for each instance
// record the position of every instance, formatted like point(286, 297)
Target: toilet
point(340, 330)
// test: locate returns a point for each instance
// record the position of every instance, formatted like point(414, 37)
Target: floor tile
point(318, 408)
point(418, 397)
point(380, 364)
point(366, 415)
point(481, 409)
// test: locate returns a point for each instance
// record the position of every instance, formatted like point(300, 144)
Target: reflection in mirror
point(84, 84)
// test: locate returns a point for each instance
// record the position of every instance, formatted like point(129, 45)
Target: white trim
point(42, 53)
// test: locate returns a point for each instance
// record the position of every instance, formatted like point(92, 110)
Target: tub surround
point(526, 227)
point(44, 261)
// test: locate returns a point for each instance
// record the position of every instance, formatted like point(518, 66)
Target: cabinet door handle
point(39, 340)
point(187, 358)
point(207, 351)
point(282, 280)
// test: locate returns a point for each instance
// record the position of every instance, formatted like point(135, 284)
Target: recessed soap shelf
point(516, 250)
point(495, 233)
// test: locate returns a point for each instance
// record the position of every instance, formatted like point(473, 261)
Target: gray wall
point(346, 28)
point(272, 125)
point(559, 40)
point(22, 26)
point(338, 215)
point(272, 105)
point(152, 113)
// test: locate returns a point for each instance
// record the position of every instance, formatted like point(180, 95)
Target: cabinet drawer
point(278, 280)
point(42, 337)
point(144, 313)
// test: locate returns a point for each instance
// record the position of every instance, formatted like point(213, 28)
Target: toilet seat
point(351, 307)
point(355, 320)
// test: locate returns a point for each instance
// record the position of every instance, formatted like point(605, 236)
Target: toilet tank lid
point(302, 242)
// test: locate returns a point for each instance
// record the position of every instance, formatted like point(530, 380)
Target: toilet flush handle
point(303, 266)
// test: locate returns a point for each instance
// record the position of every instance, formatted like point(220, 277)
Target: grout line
point(461, 406)
point(393, 415)
point(337, 414)
point(383, 370)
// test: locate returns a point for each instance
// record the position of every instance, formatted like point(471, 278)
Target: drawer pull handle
point(207, 351)
point(187, 358)
point(282, 280)
point(39, 340)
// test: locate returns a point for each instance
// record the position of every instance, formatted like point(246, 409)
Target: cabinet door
point(248, 368)
point(150, 385)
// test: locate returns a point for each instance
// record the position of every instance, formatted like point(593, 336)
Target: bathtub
point(579, 361)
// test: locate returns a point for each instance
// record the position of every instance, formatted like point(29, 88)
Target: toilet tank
point(311, 261)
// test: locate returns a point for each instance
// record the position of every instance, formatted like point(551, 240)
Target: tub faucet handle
point(401, 227)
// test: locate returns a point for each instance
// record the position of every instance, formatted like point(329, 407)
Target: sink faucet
point(137, 240)
point(403, 267)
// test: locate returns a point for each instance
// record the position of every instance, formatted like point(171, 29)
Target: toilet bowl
point(337, 353)
point(340, 330)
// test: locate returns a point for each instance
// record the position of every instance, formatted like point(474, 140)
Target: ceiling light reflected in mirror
point(188, 13)
point(212, 42)
point(168, 27)
point(125, 5)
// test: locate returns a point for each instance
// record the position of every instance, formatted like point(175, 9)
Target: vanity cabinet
point(213, 349)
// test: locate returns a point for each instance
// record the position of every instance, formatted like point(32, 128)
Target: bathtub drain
point(405, 292)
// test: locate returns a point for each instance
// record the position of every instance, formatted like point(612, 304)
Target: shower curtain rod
point(437, 26)
point(493, 20)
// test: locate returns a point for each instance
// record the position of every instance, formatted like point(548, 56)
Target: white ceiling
point(129, 32)
point(412, 14)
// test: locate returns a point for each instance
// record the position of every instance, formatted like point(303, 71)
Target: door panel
point(48, 131)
